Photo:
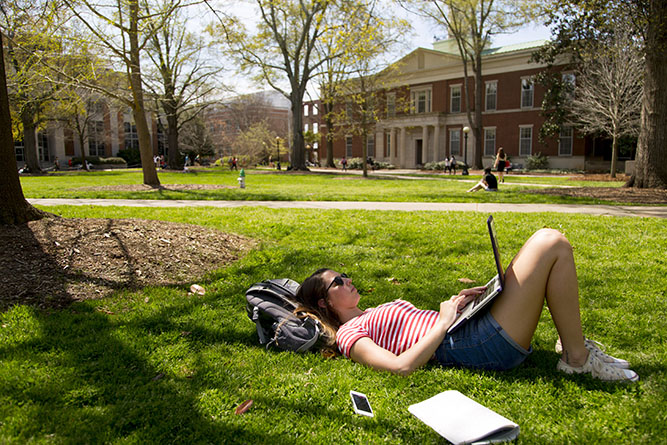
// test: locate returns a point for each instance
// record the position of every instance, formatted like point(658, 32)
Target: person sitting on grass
point(488, 182)
point(400, 338)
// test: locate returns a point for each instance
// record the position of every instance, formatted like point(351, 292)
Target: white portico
point(413, 140)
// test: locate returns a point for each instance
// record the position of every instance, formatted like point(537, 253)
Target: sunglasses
point(338, 281)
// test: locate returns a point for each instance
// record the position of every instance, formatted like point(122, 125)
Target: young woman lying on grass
point(400, 338)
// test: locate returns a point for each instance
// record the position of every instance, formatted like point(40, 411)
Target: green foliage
point(538, 161)
point(131, 155)
point(437, 166)
point(162, 366)
point(96, 160)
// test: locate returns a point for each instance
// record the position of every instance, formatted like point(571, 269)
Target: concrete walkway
point(641, 211)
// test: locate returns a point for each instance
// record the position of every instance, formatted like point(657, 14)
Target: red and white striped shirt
point(394, 326)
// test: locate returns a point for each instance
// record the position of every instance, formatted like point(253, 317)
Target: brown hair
point(312, 290)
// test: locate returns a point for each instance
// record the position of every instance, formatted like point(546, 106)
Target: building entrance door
point(418, 151)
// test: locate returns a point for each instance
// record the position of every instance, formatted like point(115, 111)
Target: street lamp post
point(464, 172)
point(278, 151)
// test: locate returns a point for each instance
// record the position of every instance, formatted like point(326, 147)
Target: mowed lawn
point(162, 366)
point(293, 186)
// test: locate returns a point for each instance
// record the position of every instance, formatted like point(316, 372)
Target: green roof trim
point(515, 47)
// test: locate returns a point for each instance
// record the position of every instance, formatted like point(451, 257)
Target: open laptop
point(493, 288)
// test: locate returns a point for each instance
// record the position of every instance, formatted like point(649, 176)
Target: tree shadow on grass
point(23, 266)
point(91, 377)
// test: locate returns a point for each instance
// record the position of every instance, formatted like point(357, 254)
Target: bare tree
point(282, 53)
point(472, 24)
point(180, 77)
point(607, 93)
point(369, 34)
point(124, 30)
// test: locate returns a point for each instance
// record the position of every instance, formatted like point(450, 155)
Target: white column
point(436, 144)
point(379, 145)
point(424, 144)
point(402, 148)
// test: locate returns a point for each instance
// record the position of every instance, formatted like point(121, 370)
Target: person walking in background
point(448, 165)
point(343, 162)
point(501, 163)
point(452, 165)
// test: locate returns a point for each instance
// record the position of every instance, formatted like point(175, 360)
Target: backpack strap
point(260, 331)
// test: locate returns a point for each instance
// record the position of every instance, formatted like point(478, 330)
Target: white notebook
point(461, 420)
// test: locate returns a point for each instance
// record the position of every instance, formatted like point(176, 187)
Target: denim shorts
point(481, 343)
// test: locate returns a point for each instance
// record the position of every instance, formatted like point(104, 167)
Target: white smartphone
point(361, 404)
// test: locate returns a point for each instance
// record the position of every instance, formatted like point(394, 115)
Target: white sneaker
point(599, 370)
point(594, 347)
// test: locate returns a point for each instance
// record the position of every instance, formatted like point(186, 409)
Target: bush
point(131, 156)
point(538, 161)
point(95, 160)
point(355, 163)
point(435, 166)
point(111, 161)
point(384, 165)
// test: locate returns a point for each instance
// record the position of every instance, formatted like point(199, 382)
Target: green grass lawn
point(159, 366)
point(271, 185)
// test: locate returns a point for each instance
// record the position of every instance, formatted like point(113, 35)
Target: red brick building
point(430, 127)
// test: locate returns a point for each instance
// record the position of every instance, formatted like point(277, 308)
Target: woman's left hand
point(467, 295)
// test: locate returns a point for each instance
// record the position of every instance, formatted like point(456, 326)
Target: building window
point(565, 141)
point(43, 147)
point(348, 146)
point(391, 104)
point(315, 128)
point(96, 138)
point(305, 110)
point(489, 141)
point(569, 83)
point(527, 93)
point(491, 94)
point(370, 145)
point(131, 137)
point(455, 142)
point(525, 141)
point(455, 99)
point(421, 101)
point(315, 110)
point(19, 150)
point(349, 110)
point(305, 127)
point(387, 146)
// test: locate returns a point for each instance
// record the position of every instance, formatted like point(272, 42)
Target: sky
point(424, 33)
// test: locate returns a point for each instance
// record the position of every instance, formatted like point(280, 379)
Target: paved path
point(641, 211)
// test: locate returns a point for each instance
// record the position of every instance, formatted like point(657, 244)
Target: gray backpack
point(270, 305)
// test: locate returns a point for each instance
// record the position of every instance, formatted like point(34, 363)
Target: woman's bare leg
point(543, 270)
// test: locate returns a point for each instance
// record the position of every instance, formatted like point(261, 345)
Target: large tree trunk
point(172, 136)
point(298, 156)
point(172, 142)
point(614, 154)
point(138, 110)
point(14, 209)
point(477, 125)
point(328, 108)
point(30, 142)
point(651, 162)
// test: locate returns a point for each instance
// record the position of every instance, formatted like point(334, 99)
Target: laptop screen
point(496, 253)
